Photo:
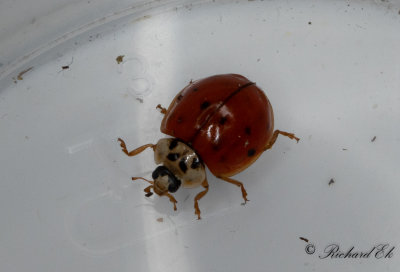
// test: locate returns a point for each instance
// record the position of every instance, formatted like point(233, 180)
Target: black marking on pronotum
point(247, 130)
point(182, 165)
point(195, 163)
point(223, 120)
point(173, 156)
point(204, 105)
point(251, 152)
point(173, 144)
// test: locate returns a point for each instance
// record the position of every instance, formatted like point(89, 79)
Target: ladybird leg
point(198, 197)
point(137, 150)
point(275, 136)
point(162, 109)
point(148, 191)
point(172, 199)
point(149, 181)
point(237, 183)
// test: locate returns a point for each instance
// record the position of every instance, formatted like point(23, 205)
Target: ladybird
point(224, 122)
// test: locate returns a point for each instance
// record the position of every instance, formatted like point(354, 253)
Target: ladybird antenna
point(149, 181)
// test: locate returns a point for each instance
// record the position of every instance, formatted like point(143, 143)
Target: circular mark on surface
point(132, 67)
point(310, 249)
point(139, 86)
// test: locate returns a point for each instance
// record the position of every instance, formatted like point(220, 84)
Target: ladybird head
point(165, 181)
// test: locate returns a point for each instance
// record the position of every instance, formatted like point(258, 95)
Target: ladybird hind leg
point(237, 183)
point(137, 150)
point(199, 196)
point(275, 136)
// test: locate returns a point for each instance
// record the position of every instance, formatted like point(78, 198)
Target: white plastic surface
point(331, 70)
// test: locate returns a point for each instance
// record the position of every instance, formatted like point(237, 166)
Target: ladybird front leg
point(275, 136)
point(162, 109)
point(237, 183)
point(137, 150)
point(147, 190)
point(172, 199)
point(198, 197)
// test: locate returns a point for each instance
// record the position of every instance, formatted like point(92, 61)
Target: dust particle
point(304, 239)
point(19, 77)
point(373, 139)
point(331, 182)
point(309, 23)
point(160, 219)
point(120, 59)
point(139, 99)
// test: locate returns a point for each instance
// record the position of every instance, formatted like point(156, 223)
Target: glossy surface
point(226, 118)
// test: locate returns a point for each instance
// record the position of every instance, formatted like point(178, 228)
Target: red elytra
point(225, 120)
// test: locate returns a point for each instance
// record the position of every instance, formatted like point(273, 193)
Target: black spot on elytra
point(195, 163)
point(204, 105)
point(195, 89)
point(247, 130)
point(222, 158)
point(173, 144)
point(251, 152)
point(223, 120)
point(182, 165)
point(173, 156)
point(179, 120)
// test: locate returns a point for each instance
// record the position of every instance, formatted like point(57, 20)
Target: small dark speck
point(373, 139)
point(309, 23)
point(344, 149)
point(26, 137)
point(223, 120)
point(304, 239)
point(258, 60)
point(120, 59)
point(251, 152)
point(195, 89)
point(399, 11)
point(204, 105)
point(180, 97)
point(247, 130)
point(331, 182)
point(139, 99)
